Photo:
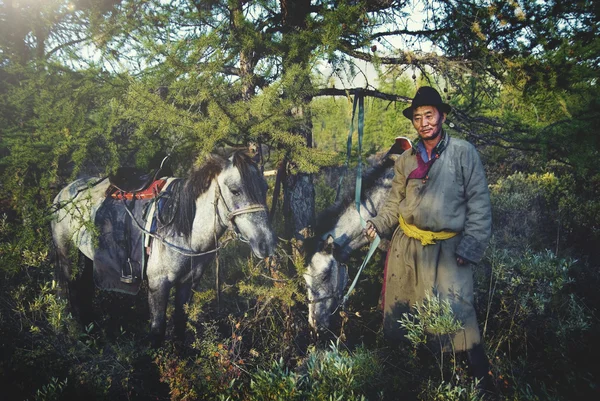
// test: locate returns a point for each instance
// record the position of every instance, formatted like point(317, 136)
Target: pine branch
point(403, 58)
point(366, 92)
point(66, 44)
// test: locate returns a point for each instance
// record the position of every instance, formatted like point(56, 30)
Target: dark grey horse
point(224, 191)
point(339, 233)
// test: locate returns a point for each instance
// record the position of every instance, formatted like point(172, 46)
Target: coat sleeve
point(387, 217)
point(478, 222)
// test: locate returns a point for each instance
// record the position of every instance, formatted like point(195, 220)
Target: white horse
point(339, 233)
point(224, 191)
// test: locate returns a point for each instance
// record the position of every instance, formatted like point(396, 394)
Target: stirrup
point(127, 279)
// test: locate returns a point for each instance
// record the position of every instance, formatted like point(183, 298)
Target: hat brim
point(443, 107)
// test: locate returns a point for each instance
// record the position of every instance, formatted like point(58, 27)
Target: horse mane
point(180, 208)
point(329, 217)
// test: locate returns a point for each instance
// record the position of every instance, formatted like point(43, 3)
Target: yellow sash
point(426, 237)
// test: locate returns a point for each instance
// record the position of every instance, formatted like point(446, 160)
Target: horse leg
point(63, 274)
point(182, 297)
point(158, 295)
point(77, 290)
point(83, 291)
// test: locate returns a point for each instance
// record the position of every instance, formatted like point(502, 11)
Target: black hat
point(426, 96)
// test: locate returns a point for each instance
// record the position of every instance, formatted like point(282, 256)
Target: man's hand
point(370, 231)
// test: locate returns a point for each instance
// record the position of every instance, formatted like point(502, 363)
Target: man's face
point(428, 121)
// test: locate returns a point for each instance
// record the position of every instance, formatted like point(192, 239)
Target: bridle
point(335, 297)
point(318, 300)
point(231, 215)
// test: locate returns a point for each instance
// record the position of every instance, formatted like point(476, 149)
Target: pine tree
point(188, 76)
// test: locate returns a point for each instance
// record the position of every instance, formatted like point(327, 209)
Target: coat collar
point(437, 151)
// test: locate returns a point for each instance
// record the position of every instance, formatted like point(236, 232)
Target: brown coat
point(454, 197)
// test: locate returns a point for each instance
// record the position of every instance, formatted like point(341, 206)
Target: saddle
point(131, 179)
point(133, 183)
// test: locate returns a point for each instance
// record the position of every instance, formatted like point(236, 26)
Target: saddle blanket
point(120, 254)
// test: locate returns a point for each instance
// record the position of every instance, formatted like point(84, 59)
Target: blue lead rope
point(358, 98)
point(349, 143)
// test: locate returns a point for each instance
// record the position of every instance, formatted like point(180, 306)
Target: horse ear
point(400, 145)
point(393, 156)
point(329, 245)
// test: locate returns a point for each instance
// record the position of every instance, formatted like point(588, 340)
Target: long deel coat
point(453, 197)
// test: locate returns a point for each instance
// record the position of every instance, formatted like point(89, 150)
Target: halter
point(231, 215)
point(336, 297)
point(316, 301)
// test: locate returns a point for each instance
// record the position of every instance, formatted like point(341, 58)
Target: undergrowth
point(536, 300)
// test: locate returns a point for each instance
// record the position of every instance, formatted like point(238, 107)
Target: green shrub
point(450, 392)
point(533, 317)
point(276, 384)
point(326, 375)
point(433, 316)
point(547, 211)
point(51, 391)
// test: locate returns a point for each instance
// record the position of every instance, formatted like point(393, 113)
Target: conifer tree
point(188, 76)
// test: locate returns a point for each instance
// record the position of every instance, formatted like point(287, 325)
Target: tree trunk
point(299, 191)
point(247, 59)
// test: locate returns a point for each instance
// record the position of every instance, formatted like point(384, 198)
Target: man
point(440, 200)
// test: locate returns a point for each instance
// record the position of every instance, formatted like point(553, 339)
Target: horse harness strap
point(254, 208)
point(316, 301)
point(249, 209)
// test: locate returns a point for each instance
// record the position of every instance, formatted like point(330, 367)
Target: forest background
point(88, 86)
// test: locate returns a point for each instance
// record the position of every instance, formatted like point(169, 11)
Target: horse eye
point(235, 192)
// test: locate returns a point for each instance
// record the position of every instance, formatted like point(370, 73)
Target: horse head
point(237, 200)
point(325, 279)
point(242, 203)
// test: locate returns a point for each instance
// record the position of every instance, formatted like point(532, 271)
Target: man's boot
point(480, 369)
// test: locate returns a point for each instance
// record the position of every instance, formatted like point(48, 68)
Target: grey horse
point(225, 191)
point(338, 234)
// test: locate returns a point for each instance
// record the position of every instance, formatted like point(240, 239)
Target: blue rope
point(359, 98)
point(348, 147)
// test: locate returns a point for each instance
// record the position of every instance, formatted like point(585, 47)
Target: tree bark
point(299, 191)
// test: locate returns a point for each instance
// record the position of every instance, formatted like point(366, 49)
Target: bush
point(533, 316)
point(546, 211)
point(326, 375)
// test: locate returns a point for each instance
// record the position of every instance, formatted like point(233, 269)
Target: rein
point(230, 216)
point(231, 226)
point(358, 99)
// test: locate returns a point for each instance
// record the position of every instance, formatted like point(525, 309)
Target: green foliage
point(532, 315)
point(383, 121)
point(325, 375)
point(337, 374)
point(533, 289)
point(433, 316)
point(276, 384)
point(546, 211)
point(450, 392)
point(51, 391)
